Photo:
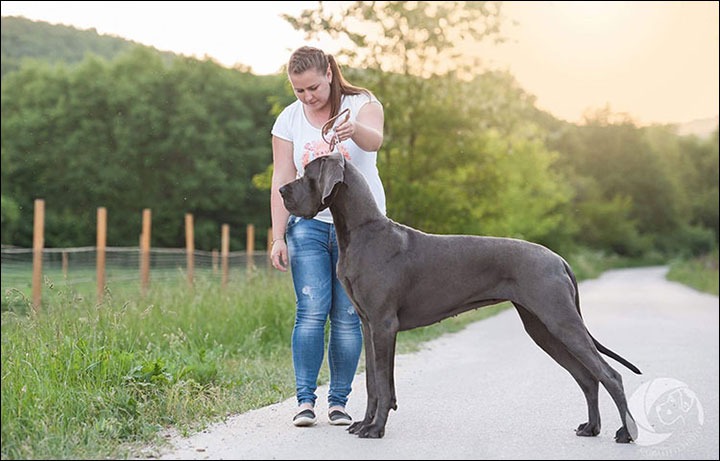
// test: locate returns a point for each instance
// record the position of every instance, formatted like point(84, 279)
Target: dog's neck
point(353, 205)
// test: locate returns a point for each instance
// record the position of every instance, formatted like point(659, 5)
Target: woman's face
point(312, 88)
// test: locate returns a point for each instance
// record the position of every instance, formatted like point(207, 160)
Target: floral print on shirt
point(320, 148)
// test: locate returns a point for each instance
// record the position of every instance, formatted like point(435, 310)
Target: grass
point(700, 273)
point(82, 380)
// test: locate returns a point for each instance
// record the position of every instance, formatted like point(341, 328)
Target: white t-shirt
point(292, 125)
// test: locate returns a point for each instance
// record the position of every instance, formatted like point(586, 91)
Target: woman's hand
point(345, 130)
point(279, 255)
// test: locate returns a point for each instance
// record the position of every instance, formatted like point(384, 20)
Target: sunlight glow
point(655, 60)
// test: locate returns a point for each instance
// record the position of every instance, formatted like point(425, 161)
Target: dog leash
point(329, 125)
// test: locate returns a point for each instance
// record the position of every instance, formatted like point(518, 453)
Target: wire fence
point(25, 269)
point(77, 267)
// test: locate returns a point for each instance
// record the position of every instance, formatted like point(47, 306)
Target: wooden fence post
point(145, 250)
point(190, 247)
point(269, 248)
point(225, 251)
point(65, 264)
point(250, 247)
point(101, 244)
point(38, 245)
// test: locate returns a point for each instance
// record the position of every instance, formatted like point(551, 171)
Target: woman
point(309, 246)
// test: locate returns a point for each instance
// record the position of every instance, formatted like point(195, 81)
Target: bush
point(687, 242)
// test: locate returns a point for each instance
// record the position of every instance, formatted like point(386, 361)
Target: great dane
point(400, 278)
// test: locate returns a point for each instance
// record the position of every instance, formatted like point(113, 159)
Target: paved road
point(488, 392)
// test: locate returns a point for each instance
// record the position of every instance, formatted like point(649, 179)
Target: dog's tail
point(600, 347)
point(615, 356)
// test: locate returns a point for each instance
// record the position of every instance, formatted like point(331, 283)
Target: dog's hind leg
point(562, 320)
point(555, 349)
point(628, 431)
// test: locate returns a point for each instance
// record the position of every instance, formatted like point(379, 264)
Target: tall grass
point(700, 273)
point(79, 379)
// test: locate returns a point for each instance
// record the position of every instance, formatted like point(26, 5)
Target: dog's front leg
point(370, 382)
point(383, 336)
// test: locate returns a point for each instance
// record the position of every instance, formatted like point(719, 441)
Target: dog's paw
point(623, 436)
point(358, 426)
point(355, 427)
point(587, 430)
point(372, 431)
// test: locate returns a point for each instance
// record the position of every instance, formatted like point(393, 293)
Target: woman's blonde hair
point(308, 57)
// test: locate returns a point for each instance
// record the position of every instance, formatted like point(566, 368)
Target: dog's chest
point(350, 274)
point(346, 272)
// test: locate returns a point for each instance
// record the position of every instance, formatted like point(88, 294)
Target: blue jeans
point(313, 253)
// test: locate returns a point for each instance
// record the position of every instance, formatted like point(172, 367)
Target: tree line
point(465, 151)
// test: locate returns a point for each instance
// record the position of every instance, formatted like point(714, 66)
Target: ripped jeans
point(313, 253)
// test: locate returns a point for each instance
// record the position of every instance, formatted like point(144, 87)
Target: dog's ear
point(332, 174)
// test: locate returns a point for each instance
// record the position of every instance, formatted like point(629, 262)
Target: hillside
point(23, 38)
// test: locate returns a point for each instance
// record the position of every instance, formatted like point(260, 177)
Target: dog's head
point(315, 190)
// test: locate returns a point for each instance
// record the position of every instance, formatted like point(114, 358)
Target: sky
point(654, 61)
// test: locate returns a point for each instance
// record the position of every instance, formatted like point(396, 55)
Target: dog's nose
point(283, 190)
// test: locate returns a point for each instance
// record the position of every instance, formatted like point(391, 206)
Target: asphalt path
point(488, 392)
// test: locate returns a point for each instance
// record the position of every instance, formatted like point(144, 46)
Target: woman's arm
point(367, 129)
point(283, 172)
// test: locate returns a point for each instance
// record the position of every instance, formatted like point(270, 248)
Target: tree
point(462, 152)
point(138, 132)
point(408, 42)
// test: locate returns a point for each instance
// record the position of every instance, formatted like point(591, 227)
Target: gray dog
point(400, 278)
